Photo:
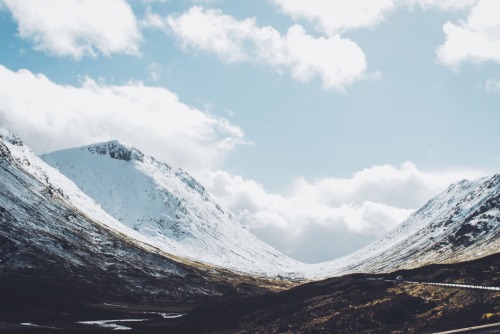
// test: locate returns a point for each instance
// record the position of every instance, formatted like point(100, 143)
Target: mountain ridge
point(169, 207)
point(54, 237)
point(397, 249)
point(461, 223)
point(437, 232)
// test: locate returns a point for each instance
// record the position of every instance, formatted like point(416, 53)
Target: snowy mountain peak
point(494, 181)
point(167, 206)
point(9, 136)
point(116, 150)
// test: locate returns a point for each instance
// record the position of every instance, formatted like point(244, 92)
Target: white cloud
point(334, 16)
point(77, 28)
point(448, 5)
point(337, 16)
point(492, 86)
point(380, 184)
point(152, 21)
point(476, 39)
point(49, 116)
point(321, 220)
point(336, 60)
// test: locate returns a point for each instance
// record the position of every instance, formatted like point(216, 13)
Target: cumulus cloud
point(337, 61)
point(77, 28)
point(50, 117)
point(476, 39)
point(381, 184)
point(442, 4)
point(336, 16)
point(321, 220)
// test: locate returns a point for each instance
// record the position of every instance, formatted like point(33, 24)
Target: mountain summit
point(168, 206)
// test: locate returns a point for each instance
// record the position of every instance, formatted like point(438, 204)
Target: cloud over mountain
point(51, 116)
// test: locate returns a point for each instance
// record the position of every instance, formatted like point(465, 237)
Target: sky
point(320, 124)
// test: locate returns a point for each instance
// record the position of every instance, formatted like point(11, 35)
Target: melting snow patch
point(111, 323)
point(168, 315)
point(114, 305)
point(35, 325)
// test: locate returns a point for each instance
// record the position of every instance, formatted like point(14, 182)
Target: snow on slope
point(50, 230)
point(175, 213)
point(169, 207)
point(462, 223)
point(164, 210)
point(60, 184)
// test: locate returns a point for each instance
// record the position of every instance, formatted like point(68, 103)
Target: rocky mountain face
point(55, 238)
point(168, 207)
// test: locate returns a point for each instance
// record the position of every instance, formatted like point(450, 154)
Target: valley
point(108, 238)
point(355, 303)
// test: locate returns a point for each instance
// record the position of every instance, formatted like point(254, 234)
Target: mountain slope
point(167, 206)
point(462, 223)
point(54, 237)
point(175, 213)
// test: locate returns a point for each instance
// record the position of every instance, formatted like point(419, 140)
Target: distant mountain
point(56, 241)
point(462, 223)
point(168, 207)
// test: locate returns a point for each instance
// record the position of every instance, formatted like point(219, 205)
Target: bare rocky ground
point(353, 304)
point(348, 304)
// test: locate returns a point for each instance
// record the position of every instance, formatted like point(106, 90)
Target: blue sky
point(320, 124)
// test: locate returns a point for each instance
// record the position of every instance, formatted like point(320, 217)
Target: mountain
point(176, 214)
point(168, 207)
point(57, 242)
point(151, 241)
point(462, 223)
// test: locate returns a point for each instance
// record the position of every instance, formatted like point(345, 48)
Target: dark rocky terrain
point(350, 304)
point(353, 304)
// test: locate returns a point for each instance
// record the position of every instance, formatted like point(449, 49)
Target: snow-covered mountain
point(52, 234)
point(128, 214)
point(462, 223)
point(168, 207)
point(175, 213)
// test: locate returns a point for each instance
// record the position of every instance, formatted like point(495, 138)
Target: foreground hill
point(354, 304)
